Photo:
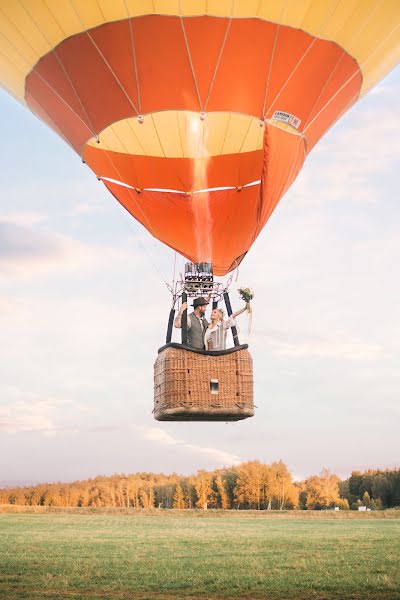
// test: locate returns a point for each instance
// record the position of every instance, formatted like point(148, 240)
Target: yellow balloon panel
point(182, 134)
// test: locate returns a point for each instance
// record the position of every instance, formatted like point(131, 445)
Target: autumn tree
point(189, 491)
point(250, 490)
point(230, 477)
point(179, 499)
point(322, 491)
point(280, 489)
point(221, 495)
point(203, 489)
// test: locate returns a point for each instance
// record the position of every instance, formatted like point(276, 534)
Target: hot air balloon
point(197, 115)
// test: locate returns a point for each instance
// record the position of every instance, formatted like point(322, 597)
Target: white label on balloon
point(286, 118)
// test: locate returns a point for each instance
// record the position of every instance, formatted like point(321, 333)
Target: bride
point(215, 336)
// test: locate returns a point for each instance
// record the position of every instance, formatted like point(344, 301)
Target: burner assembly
point(199, 279)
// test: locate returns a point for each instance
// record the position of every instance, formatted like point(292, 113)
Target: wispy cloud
point(221, 457)
point(27, 252)
point(27, 416)
point(23, 219)
point(9, 306)
point(300, 345)
point(22, 411)
point(154, 434)
point(85, 208)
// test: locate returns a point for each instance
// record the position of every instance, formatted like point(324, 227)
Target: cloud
point(311, 346)
point(155, 434)
point(22, 411)
point(26, 252)
point(23, 219)
point(85, 208)
point(219, 456)
point(10, 306)
point(27, 415)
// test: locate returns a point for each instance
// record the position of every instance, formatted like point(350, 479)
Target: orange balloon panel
point(180, 221)
point(92, 77)
point(219, 225)
point(175, 173)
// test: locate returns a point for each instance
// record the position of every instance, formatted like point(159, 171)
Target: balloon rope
point(131, 193)
point(347, 82)
point(278, 95)
point(77, 95)
point(306, 51)
point(190, 59)
point(270, 69)
point(48, 84)
point(88, 126)
point(150, 228)
point(50, 119)
point(53, 49)
point(329, 79)
point(219, 58)
point(134, 56)
point(357, 72)
point(245, 135)
point(271, 60)
point(104, 59)
point(149, 255)
point(113, 74)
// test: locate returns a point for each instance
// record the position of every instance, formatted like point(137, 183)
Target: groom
point(196, 323)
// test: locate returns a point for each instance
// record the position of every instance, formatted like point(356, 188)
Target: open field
point(96, 555)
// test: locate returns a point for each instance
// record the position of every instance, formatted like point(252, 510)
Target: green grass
point(80, 555)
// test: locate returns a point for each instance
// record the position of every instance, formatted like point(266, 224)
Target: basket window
point(214, 385)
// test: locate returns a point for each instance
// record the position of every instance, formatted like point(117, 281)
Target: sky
point(84, 307)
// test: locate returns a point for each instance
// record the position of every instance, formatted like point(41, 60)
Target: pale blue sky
point(83, 311)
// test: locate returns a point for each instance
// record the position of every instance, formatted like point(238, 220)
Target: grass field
point(94, 555)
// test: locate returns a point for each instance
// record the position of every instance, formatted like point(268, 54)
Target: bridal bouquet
point(247, 294)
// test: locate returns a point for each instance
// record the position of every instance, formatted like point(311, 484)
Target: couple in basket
point(203, 335)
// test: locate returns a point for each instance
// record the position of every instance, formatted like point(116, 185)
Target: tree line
point(250, 485)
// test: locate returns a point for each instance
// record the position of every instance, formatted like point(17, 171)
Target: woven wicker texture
point(183, 383)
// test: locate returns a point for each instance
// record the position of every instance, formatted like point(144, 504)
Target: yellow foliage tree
point(281, 488)
point(251, 484)
point(203, 489)
point(322, 491)
point(222, 496)
point(179, 499)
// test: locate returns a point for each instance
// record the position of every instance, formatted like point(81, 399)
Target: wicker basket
point(194, 385)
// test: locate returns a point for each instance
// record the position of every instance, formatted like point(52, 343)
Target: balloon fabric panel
point(229, 220)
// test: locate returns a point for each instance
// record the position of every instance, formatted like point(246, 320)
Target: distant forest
point(250, 485)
